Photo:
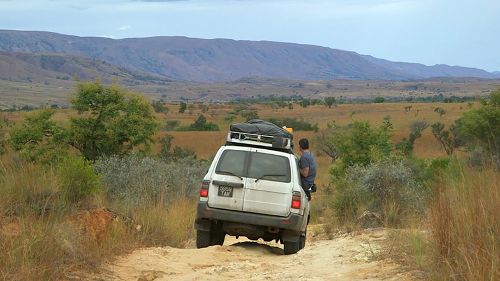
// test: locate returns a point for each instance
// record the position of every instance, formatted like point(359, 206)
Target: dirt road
point(346, 257)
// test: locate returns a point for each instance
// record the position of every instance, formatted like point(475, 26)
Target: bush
point(78, 179)
point(406, 145)
point(182, 107)
point(39, 138)
point(200, 124)
point(388, 188)
point(359, 144)
point(43, 239)
point(249, 114)
point(159, 106)
point(171, 125)
point(481, 126)
point(138, 181)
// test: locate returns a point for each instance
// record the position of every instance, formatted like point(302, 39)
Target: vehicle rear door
point(268, 187)
point(226, 189)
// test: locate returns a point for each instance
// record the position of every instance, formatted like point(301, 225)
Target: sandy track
point(343, 258)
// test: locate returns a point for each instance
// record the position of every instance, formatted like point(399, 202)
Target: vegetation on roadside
point(77, 190)
point(381, 184)
point(75, 193)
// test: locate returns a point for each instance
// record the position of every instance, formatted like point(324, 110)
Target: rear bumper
point(205, 214)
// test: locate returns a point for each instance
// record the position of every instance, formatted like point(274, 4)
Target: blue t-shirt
point(307, 160)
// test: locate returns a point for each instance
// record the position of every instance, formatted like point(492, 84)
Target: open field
point(205, 144)
point(56, 91)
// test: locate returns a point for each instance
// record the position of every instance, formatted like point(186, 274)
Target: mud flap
point(290, 236)
point(202, 224)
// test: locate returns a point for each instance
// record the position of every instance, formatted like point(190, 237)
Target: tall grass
point(46, 235)
point(465, 225)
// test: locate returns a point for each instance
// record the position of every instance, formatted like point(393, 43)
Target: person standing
point(307, 166)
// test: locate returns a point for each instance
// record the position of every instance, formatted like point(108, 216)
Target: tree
point(159, 106)
point(182, 107)
point(305, 103)
point(327, 143)
point(166, 145)
point(329, 101)
point(249, 115)
point(406, 145)
point(39, 138)
point(360, 143)
point(110, 121)
point(440, 111)
point(449, 139)
point(379, 100)
point(482, 125)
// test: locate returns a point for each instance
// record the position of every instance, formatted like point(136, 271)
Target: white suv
point(253, 190)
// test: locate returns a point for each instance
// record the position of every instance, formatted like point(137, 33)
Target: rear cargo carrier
point(260, 133)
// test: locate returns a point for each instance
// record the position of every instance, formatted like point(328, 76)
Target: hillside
point(44, 68)
point(212, 60)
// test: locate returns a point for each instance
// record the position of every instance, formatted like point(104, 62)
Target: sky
point(453, 32)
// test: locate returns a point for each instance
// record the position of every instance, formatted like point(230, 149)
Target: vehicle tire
point(302, 240)
point(218, 237)
point(291, 248)
point(203, 239)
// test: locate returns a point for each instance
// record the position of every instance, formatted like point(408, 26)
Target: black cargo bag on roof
point(261, 127)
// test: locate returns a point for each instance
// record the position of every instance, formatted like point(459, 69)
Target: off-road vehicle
point(253, 189)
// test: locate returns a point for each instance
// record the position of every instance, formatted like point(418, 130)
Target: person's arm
point(304, 167)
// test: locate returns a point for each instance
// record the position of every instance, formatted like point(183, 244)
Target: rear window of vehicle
point(232, 161)
point(269, 167)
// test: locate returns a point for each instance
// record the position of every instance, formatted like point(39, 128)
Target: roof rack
point(249, 139)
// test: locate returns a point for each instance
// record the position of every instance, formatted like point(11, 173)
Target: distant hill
point(29, 67)
point(206, 60)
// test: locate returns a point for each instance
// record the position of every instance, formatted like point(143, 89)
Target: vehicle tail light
point(204, 188)
point(296, 200)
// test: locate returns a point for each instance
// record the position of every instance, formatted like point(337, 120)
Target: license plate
point(225, 191)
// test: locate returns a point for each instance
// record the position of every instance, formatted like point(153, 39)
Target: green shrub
point(171, 125)
point(39, 138)
point(78, 179)
point(359, 144)
point(249, 114)
point(182, 107)
point(388, 188)
point(159, 106)
point(406, 145)
point(481, 126)
point(200, 124)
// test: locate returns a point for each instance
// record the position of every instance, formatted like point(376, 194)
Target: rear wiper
point(228, 173)
point(263, 176)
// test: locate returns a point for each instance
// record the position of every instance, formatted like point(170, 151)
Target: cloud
point(160, 0)
point(124, 28)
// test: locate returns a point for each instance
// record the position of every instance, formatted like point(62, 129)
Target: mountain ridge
point(214, 60)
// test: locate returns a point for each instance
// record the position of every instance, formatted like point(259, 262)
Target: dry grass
point(171, 226)
point(205, 144)
point(466, 227)
point(44, 237)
